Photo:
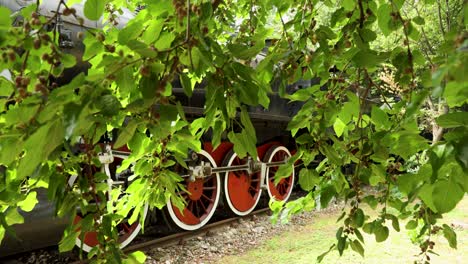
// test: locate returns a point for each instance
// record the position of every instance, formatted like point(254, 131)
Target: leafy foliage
point(361, 133)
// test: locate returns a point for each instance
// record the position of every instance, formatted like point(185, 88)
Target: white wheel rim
point(188, 227)
point(267, 172)
point(135, 232)
point(226, 192)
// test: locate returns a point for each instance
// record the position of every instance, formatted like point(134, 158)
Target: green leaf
point(109, 105)
point(408, 182)
point(125, 81)
point(303, 94)
point(308, 179)
point(29, 203)
point(461, 154)
point(383, 16)
point(68, 60)
point(466, 15)
point(456, 93)
point(367, 58)
point(395, 223)
point(413, 32)
point(320, 258)
point(425, 193)
point(126, 134)
point(5, 17)
point(141, 48)
point(168, 113)
point(405, 143)
point(39, 146)
point(284, 171)
point(10, 147)
point(237, 140)
point(331, 154)
point(371, 201)
point(248, 126)
point(71, 114)
point(341, 244)
point(13, 217)
point(451, 236)
point(378, 174)
point(93, 9)
point(153, 31)
point(381, 233)
point(68, 241)
point(356, 246)
point(339, 232)
point(398, 3)
point(412, 224)
point(73, 2)
point(339, 127)
point(92, 46)
point(187, 84)
point(348, 5)
point(164, 41)
point(326, 195)
point(452, 120)
point(379, 118)
point(358, 218)
point(359, 235)
point(368, 228)
point(136, 257)
point(446, 195)
point(2, 233)
point(367, 35)
point(244, 52)
point(418, 20)
point(129, 32)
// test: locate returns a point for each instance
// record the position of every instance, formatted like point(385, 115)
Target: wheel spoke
point(201, 203)
point(208, 179)
point(208, 198)
point(282, 189)
point(190, 206)
point(182, 193)
point(126, 228)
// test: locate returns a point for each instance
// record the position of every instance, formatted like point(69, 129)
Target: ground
point(303, 243)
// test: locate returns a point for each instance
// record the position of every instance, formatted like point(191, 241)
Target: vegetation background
point(393, 113)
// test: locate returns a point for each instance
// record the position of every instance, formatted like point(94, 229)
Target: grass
point(302, 244)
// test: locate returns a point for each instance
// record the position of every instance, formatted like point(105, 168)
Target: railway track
point(150, 240)
point(178, 238)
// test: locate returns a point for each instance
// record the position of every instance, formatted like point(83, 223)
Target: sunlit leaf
point(93, 9)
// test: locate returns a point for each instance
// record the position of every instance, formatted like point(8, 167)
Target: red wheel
point(127, 232)
point(202, 198)
point(241, 189)
point(283, 189)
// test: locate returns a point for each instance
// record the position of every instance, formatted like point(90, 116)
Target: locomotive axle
point(205, 169)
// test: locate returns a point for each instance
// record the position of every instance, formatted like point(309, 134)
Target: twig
point(284, 30)
point(440, 18)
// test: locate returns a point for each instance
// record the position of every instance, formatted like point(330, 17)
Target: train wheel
point(202, 198)
point(283, 189)
point(241, 189)
point(127, 232)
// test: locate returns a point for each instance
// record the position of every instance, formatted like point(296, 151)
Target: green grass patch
point(302, 244)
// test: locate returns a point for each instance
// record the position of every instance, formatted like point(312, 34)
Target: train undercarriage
point(213, 175)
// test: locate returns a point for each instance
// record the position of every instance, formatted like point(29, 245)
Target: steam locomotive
point(220, 174)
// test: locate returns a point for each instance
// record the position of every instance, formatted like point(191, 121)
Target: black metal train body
point(220, 174)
